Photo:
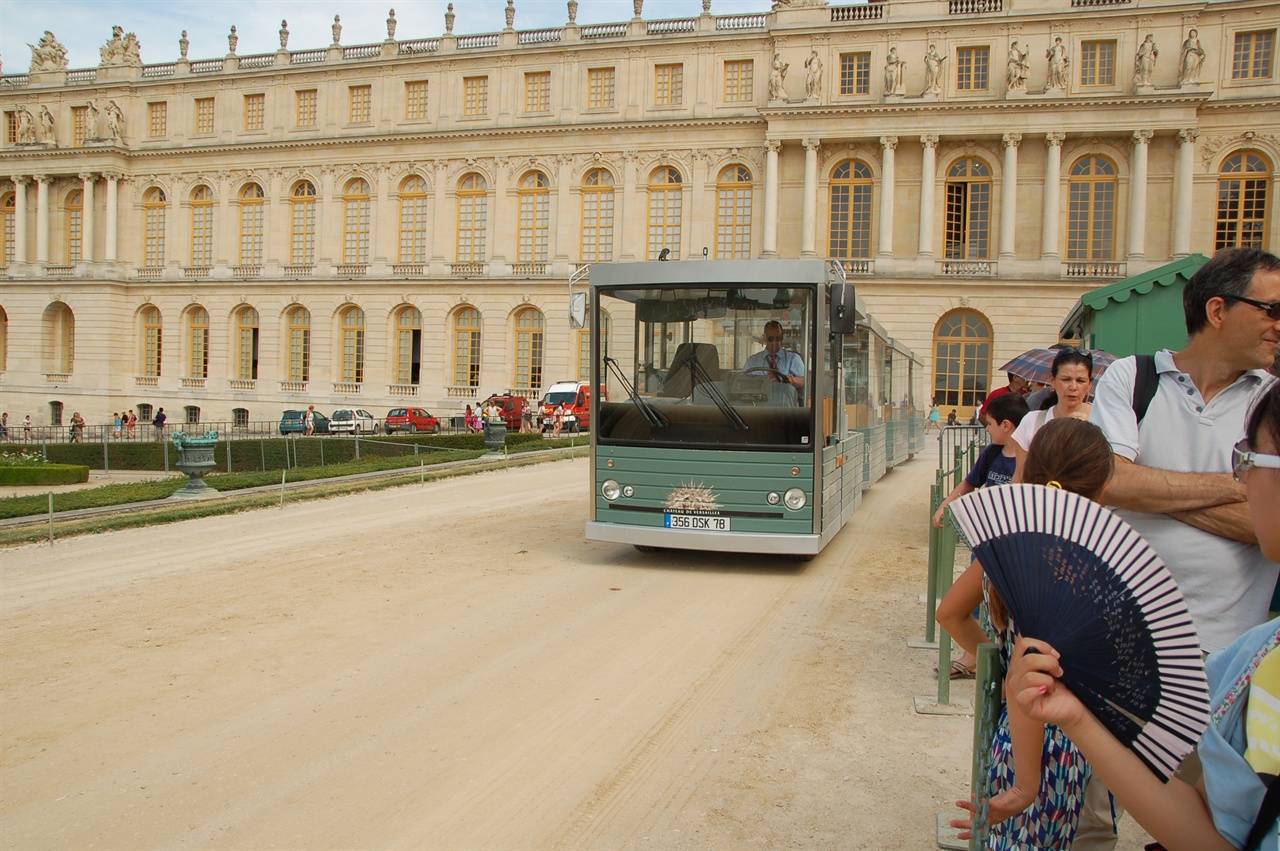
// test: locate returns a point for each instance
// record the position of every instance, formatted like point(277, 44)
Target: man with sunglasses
point(783, 365)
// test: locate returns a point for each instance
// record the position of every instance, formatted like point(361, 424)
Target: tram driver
point(782, 365)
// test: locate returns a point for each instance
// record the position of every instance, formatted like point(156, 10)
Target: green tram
point(741, 406)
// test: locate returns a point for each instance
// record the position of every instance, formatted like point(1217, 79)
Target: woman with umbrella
point(1072, 376)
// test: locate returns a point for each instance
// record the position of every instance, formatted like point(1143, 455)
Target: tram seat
point(677, 384)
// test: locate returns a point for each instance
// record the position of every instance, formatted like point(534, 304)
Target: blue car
point(291, 422)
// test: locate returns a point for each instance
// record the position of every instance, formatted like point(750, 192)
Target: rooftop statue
point(121, 49)
point(48, 55)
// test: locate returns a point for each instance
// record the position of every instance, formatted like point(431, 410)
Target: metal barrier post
point(989, 695)
point(931, 595)
point(946, 576)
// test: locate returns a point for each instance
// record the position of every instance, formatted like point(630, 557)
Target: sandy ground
point(453, 666)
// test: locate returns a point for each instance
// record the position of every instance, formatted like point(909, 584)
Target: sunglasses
point(1243, 460)
point(1271, 308)
point(771, 339)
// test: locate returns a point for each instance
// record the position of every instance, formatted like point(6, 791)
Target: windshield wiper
point(651, 415)
point(698, 375)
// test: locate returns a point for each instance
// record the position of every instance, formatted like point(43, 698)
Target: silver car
point(352, 421)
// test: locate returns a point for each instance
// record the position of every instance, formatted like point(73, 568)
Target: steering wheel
point(778, 375)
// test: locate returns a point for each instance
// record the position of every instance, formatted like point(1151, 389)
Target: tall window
point(529, 348)
point(247, 344)
point(306, 108)
point(11, 128)
point(361, 104)
point(664, 213)
point(153, 214)
point(1091, 210)
point(1242, 201)
point(157, 119)
point(303, 230)
point(584, 346)
point(739, 80)
point(466, 348)
point(475, 95)
point(8, 226)
point(537, 91)
point(198, 349)
point(204, 115)
point(733, 213)
point(75, 226)
point(415, 99)
point(535, 217)
point(299, 344)
point(962, 360)
point(413, 220)
point(850, 210)
point(968, 227)
point(597, 216)
point(353, 345)
point(473, 209)
point(355, 228)
point(251, 203)
point(1251, 58)
point(855, 73)
point(255, 111)
point(1098, 63)
point(668, 85)
point(972, 68)
point(202, 226)
point(152, 337)
point(79, 125)
point(600, 88)
point(408, 346)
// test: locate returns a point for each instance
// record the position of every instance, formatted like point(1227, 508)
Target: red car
point(411, 420)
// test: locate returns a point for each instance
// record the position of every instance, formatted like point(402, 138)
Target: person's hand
point(1009, 803)
point(1033, 682)
point(965, 824)
point(938, 515)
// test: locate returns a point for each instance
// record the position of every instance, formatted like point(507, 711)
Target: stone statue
point(637, 6)
point(1058, 63)
point(115, 121)
point(510, 13)
point(48, 55)
point(893, 73)
point(448, 19)
point(777, 76)
point(1016, 76)
point(933, 71)
point(46, 124)
point(796, 4)
point(336, 29)
point(284, 35)
point(92, 125)
point(813, 79)
point(232, 41)
point(26, 131)
point(121, 49)
point(1192, 59)
point(573, 11)
point(391, 25)
point(183, 45)
point(1144, 61)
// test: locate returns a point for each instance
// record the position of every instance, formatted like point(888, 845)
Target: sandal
point(961, 671)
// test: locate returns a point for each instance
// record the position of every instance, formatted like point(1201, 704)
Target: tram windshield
point(725, 366)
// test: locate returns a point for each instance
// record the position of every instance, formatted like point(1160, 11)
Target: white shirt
point(789, 363)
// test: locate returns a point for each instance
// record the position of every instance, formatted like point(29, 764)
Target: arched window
point(413, 220)
point(535, 217)
point(1091, 209)
point(473, 218)
point(7, 228)
point(733, 206)
point(968, 227)
point(240, 417)
point(302, 232)
point(961, 361)
point(153, 213)
point(191, 414)
point(850, 210)
point(299, 344)
point(529, 348)
point(466, 348)
point(408, 346)
point(75, 226)
point(597, 216)
point(251, 204)
point(584, 346)
point(247, 344)
point(355, 228)
point(202, 226)
point(198, 346)
point(664, 213)
point(59, 345)
point(152, 339)
point(353, 345)
point(1242, 201)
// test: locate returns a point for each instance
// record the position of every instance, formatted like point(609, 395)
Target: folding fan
point(1075, 575)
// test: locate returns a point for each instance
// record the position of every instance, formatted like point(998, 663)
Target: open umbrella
point(1035, 364)
point(1077, 576)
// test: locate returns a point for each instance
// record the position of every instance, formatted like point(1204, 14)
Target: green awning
point(1121, 291)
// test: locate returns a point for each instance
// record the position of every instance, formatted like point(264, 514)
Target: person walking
point(26, 427)
point(4, 425)
point(77, 428)
point(158, 422)
point(117, 423)
point(131, 424)
point(309, 421)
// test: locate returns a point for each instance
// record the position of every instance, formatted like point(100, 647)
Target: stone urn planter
point(195, 458)
point(495, 434)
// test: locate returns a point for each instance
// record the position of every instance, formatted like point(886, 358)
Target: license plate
point(696, 523)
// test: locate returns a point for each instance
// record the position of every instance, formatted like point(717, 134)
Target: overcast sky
point(85, 25)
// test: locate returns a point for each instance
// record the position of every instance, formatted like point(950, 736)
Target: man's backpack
point(1146, 382)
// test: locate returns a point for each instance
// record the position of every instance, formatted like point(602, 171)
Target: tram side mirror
point(844, 313)
point(577, 310)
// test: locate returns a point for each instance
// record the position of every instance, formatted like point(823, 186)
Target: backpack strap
point(1268, 812)
point(986, 461)
point(1146, 383)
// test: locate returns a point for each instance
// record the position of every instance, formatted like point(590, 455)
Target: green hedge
point(45, 474)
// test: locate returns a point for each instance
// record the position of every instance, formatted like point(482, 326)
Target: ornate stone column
point(113, 215)
point(20, 218)
point(42, 218)
point(1052, 191)
point(1183, 199)
point(771, 149)
point(888, 145)
point(809, 215)
point(928, 175)
point(86, 219)
point(1009, 196)
point(1138, 194)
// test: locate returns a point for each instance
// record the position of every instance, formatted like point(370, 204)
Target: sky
point(82, 26)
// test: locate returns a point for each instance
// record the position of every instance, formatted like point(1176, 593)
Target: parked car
point(576, 398)
point(352, 421)
point(513, 409)
point(291, 422)
point(411, 420)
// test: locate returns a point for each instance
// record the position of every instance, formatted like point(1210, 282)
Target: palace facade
point(398, 223)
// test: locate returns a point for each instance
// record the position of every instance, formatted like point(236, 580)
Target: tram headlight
point(774, 498)
point(628, 491)
point(794, 499)
point(610, 490)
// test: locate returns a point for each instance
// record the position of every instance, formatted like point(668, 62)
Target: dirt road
point(453, 666)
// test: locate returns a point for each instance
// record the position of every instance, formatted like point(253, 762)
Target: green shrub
point(45, 474)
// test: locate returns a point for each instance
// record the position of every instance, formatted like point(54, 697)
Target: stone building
point(392, 223)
